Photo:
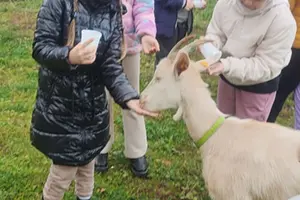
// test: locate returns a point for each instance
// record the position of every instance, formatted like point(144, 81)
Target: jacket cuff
point(72, 67)
point(126, 98)
point(144, 33)
point(140, 36)
point(226, 65)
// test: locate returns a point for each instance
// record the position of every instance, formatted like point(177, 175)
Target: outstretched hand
point(135, 106)
point(149, 44)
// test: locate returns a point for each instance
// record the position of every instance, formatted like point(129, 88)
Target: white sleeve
point(214, 31)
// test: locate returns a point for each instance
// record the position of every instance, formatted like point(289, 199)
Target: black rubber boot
point(139, 166)
point(101, 164)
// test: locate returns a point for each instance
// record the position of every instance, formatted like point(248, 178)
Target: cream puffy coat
point(257, 42)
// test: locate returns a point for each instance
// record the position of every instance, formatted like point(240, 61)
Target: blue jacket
point(166, 16)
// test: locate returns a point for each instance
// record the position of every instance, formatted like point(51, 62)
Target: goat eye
point(157, 79)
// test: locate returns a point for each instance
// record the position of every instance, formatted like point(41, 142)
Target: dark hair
point(71, 29)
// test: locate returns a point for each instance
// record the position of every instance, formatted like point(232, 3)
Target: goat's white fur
point(244, 159)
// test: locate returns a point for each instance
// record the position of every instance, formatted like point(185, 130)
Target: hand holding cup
point(83, 54)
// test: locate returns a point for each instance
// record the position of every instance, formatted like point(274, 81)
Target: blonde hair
point(72, 29)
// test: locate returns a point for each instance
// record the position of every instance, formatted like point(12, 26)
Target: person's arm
point(172, 4)
point(47, 37)
point(214, 31)
point(271, 56)
point(144, 21)
point(112, 72)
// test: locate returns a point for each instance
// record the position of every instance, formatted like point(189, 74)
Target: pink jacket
point(138, 21)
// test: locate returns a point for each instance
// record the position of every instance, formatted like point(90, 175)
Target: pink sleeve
point(143, 14)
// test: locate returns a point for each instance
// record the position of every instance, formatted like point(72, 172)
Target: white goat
point(242, 159)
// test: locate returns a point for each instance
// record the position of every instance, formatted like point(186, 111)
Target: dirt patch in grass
point(24, 20)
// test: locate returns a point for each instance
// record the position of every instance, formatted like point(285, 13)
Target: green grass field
point(175, 166)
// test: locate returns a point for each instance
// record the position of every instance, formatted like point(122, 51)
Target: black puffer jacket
point(70, 117)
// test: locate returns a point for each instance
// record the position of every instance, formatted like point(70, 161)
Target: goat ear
point(182, 63)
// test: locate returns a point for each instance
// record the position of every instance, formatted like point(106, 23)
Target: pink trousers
point(244, 104)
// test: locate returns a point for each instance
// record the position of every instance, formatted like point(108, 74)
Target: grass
point(175, 167)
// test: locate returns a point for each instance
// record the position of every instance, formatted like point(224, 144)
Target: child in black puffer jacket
point(70, 118)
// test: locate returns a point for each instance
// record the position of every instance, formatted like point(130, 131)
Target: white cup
point(295, 198)
point(198, 3)
point(210, 53)
point(88, 34)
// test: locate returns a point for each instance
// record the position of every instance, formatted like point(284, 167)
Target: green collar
point(210, 131)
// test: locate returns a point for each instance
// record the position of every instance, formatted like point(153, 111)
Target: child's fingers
point(153, 50)
point(214, 72)
point(211, 71)
point(86, 43)
point(146, 113)
point(156, 45)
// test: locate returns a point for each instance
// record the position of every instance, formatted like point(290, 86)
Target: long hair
point(71, 29)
